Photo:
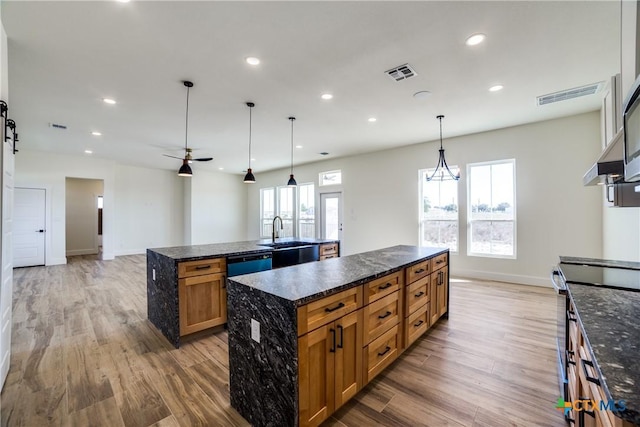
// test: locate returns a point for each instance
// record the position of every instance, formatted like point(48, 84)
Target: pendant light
point(292, 181)
point(442, 171)
point(185, 169)
point(249, 178)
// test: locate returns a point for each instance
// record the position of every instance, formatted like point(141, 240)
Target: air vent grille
point(563, 95)
point(57, 126)
point(401, 72)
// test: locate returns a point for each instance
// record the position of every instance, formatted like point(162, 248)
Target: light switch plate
point(154, 274)
point(255, 330)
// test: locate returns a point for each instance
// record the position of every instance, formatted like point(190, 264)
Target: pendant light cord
point(250, 108)
point(186, 122)
point(292, 119)
point(440, 118)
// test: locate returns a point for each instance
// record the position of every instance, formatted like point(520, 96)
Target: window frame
point(470, 210)
point(422, 174)
point(296, 209)
point(336, 171)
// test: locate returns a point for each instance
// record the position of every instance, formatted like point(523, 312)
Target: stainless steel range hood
point(609, 168)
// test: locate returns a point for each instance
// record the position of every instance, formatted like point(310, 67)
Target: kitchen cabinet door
point(348, 358)
point(443, 291)
point(202, 302)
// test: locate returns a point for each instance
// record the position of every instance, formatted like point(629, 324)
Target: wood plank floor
point(83, 354)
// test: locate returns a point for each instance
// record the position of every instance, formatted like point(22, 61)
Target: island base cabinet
point(438, 293)
point(329, 368)
point(416, 324)
point(203, 302)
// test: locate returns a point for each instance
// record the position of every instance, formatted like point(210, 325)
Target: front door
point(28, 227)
point(331, 216)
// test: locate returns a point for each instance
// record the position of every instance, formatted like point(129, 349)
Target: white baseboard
point(56, 261)
point(75, 252)
point(131, 252)
point(502, 277)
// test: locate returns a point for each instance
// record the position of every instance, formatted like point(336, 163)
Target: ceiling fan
point(185, 169)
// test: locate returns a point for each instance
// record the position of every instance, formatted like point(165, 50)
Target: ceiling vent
point(57, 126)
point(563, 95)
point(401, 72)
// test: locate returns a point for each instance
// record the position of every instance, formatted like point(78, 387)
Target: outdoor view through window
point(438, 212)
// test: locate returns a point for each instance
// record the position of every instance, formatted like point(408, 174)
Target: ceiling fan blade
point(173, 157)
point(203, 159)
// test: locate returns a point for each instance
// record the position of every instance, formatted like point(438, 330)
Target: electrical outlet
point(153, 274)
point(255, 330)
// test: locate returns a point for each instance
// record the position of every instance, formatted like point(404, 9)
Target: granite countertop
point(601, 262)
point(195, 252)
point(611, 321)
point(305, 282)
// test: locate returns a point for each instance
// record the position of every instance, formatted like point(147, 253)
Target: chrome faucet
point(273, 230)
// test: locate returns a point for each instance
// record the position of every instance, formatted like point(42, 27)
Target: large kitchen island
point(305, 339)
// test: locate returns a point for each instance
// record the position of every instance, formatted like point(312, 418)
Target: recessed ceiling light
point(423, 94)
point(475, 39)
point(123, 1)
point(298, 146)
point(253, 160)
point(220, 169)
point(94, 133)
point(372, 119)
point(496, 88)
point(326, 96)
point(88, 151)
point(108, 101)
point(252, 60)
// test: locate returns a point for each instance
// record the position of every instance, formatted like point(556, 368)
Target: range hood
point(609, 168)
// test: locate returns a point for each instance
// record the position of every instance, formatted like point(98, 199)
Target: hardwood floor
point(84, 355)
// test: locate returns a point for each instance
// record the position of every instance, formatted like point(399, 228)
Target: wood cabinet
point(202, 294)
point(381, 352)
point(439, 291)
point(329, 367)
point(329, 250)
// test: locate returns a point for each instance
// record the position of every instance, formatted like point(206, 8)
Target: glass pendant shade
point(249, 178)
point(185, 169)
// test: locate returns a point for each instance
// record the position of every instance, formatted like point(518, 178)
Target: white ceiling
point(64, 57)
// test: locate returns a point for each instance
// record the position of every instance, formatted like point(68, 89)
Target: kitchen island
point(305, 339)
point(186, 285)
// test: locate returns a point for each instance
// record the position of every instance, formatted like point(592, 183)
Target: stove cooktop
point(610, 277)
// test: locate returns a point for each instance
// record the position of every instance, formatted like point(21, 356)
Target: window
point(491, 209)
point(330, 178)
point(296, 207)
point(438, 212)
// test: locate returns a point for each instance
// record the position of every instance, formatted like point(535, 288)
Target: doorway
point(29, 227)
point(331, 216)
point(83, 214)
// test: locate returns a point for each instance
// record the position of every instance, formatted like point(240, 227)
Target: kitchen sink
point(287, 244)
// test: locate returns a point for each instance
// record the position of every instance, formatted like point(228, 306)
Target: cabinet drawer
point(323, 257)
point(595, 392)
point(439, 261)
point(380, 353)
point(325, 310)
point(329, 249)
point(417, 295)
point(416, 324)
point(380, 316)
point(200, 267)
point(382, 287)
point(418, 271)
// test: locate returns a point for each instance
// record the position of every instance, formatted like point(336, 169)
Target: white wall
point(556, 215)
point(81, 213)
point(218, 208)
point(150, 213)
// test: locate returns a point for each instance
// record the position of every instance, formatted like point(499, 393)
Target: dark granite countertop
point(610, 319)
point(196, 252)
point(306, 282)
point(601, 262)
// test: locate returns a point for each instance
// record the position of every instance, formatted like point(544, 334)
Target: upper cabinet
point(629, 57)
point(611, 112)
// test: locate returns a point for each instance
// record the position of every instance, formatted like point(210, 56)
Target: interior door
point(331, 216)
point(6, 279)
point(28, 227)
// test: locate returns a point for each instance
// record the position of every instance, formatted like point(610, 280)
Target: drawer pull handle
point(596, 381)
point(440, 278)
point(571, 316)
point(418, 324)
point(440, 261)
point(203, 267)
point(569, 357)
point(329, 310)
point(386, 350)
point(387, 314)
point(333, 340)
point(419, 294)
point(387, 286)
point(419, 271)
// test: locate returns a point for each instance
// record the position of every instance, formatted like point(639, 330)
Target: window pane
point(306, 211)
point(267, 210)
point(492, 237)
point(330, 178)
point(502, 191)
point(285, 210)
point(439, 212)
